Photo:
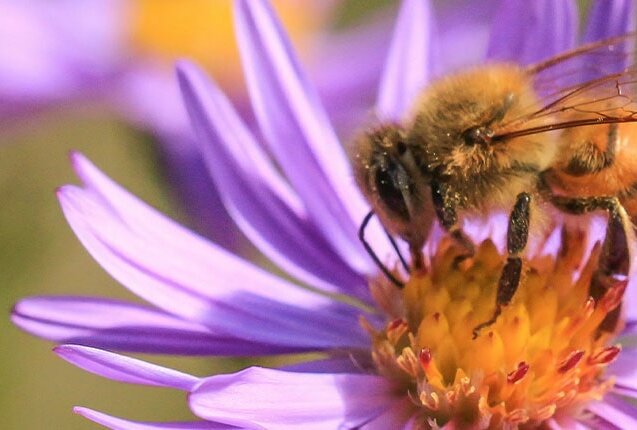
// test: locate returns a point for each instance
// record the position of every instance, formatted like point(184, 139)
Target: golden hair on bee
point(548, 138)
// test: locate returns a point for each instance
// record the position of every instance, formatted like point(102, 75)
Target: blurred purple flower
point(301, 212)
point(52, 52)
point(116, 53)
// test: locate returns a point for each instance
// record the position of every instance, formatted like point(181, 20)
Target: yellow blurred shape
point(202, 30)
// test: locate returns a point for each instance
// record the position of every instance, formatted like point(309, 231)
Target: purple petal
point(610, 18)
point(399, 417)
point(184, 274)
point(349, 97)
point(631, 324)
point(124, 369)
point(409, 63)
point(115, 423)
point(529, 31)
point(626, 392)
point(115, 325)
point(615, 411)
point(624, 369)
point(463, 33)
point(299, 133)
point(566, 423)
point(191, 184)
point(265, 398)
point(262, 204)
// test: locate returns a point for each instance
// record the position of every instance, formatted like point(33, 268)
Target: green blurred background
point(40, 255)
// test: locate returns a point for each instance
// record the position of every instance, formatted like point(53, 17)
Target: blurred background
point(97, 76)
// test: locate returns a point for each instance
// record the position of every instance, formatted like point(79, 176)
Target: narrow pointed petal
point(298, 131)
point(409, 63)
point(265, 398)
point(615, 411)
point(196, 255)
point(261, 203)
point(529, 31)
point(186, 275)
point(127, 327)
point(124, 369)
point(115, 423)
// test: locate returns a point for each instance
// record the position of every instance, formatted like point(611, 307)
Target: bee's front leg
point(517, 237)
point(445, 205)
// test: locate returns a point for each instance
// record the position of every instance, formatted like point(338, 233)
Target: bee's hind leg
point(614, 261)
point(588, 158)
point(517, 238)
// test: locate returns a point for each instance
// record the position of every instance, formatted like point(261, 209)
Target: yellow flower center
point(202, 30)
point(543, 357)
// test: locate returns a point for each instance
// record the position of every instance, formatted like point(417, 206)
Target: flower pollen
point(545, 355)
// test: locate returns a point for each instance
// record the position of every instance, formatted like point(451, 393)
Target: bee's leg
point(445, 206)
point(589, 158)
point(517, 237)
point(614, 260)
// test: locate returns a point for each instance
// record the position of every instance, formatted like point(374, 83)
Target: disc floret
point(545, 355)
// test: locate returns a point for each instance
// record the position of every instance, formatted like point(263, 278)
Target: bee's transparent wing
point(585, 63)
point(594, 84)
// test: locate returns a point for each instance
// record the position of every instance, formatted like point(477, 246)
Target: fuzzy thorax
point(545, 356)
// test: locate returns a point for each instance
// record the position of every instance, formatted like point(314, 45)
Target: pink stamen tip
point(570, 361)
point(393, 325)
point(518, 373)
point(425, 357)
point(605, 356)
point(614, 296)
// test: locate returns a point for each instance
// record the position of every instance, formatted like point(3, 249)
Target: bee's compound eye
point(390, 192)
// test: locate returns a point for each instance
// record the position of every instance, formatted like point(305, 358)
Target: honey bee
point(558, 136)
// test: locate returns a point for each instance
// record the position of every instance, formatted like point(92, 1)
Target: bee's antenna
point(370, 251)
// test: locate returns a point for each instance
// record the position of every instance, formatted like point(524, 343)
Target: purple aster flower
point(389, 358)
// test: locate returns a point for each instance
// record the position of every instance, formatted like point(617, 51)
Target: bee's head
point(389, 173)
